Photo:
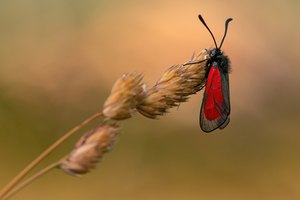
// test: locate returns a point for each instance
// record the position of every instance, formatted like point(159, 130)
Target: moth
point(215, 109)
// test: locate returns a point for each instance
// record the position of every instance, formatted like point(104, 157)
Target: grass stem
point(30, 180)
point(44, 154)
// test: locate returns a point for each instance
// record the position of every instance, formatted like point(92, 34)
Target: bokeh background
point(59, 59)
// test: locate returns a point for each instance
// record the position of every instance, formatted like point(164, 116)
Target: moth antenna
point(203, 22)
point(226, 28)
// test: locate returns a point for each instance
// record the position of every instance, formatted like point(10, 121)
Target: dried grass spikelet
point(126, 93)
point(174, 87)
point(90, 149)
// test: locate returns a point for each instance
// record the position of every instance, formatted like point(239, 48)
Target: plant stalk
point(30, 180)
point(44, 154)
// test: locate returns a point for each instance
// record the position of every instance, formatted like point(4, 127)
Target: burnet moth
point(215, 109)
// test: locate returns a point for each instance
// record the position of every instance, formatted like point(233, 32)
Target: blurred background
point(59, 59)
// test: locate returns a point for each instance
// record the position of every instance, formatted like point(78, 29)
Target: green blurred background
point(59, 59)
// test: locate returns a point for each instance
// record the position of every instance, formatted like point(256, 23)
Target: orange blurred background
point(59, 59)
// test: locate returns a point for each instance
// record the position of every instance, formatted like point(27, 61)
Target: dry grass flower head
point(174, 87)
point(90, 149)
point(125, 95)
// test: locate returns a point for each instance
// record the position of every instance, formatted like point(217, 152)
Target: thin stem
point(30, 180)
point(44, 154)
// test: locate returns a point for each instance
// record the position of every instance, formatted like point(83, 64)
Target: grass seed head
point(174, 87)
point(90, 149)
point(125, 95)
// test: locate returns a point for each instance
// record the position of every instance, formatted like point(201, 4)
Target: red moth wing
point(215, 107)
point(214, 95)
